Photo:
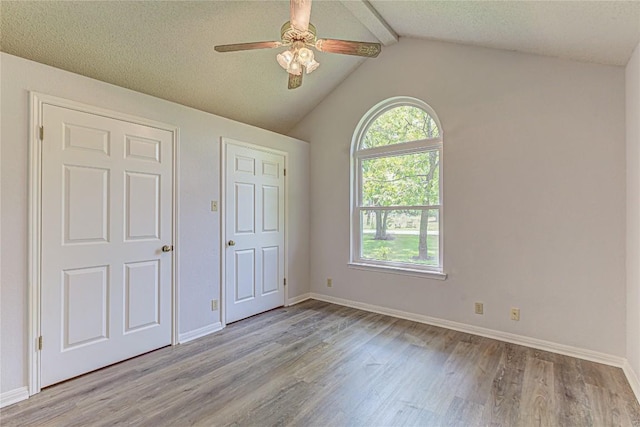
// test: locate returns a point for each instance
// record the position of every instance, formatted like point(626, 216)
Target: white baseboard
point(632, 377)
point(566, 350)
point(13, 396)
point(200, 332)
point(298, 299)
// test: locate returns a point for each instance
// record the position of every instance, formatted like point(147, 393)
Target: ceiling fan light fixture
point(295, 67)
point(297, 59)
point(305, 55)
point(311, 66)
point(284, 59)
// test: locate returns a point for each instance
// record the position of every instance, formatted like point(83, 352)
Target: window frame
point(358, 154)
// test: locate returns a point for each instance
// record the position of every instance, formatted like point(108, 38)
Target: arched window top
point(395, 121)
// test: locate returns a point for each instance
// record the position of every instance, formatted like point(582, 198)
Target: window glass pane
point(404, 236)
point(401, 124)
point(408, 180)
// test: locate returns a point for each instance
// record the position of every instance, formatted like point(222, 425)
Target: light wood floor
point(318, 364)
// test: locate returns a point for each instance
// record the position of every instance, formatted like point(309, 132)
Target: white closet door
point(254, 203)
point(106, 215)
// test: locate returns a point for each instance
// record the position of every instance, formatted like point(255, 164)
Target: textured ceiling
point(603, 32)
point(165, 48)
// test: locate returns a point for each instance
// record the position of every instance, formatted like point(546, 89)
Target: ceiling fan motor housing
point(289, 34)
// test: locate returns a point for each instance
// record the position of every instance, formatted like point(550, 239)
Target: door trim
point(36, 106)
point(224, 143)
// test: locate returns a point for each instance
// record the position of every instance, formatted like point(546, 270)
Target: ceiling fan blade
point(300, 14)
point(346, 47)
point(247, 46)
point(295, 81)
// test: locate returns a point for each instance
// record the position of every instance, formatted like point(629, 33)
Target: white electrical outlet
point(214, 206)
point(479, 308)
point(515, 314)
point(329, 283)
point(214, 304)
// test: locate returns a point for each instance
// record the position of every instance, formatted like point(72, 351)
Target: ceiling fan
point(299, 35)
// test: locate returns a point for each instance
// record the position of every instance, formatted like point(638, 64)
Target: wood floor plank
point(571, 397)
point(606, 406)
point(463, 413)
point(502, 407)
point(537, 406)
point(357, 390)
point(480, 370)
point(320, 364)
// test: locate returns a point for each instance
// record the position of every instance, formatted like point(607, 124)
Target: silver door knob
point(232, 243)
point(167, 248)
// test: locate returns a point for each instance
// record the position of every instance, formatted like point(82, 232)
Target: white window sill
point(398, 270)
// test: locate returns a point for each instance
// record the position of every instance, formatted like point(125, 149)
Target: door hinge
point(285, 172)
point(41, 133)
point(40, 342)
point(284, 281)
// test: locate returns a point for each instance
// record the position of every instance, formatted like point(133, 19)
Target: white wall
point(633, 210)
point(199, 184)
point(534, 181)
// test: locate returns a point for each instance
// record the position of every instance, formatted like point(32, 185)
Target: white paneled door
point(254, 231)
point(106, 215)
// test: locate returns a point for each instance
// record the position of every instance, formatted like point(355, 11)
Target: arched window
point(396, 191)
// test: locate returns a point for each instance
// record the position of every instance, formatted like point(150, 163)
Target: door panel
point(142, 213)
point(85, 138)
point(106, 213)
point(142, 294)
point(245, 274)
point(86, 208)
point(270, 267)
point(245, 208)
point(270, 211)
point(85, 306)
point(138, 148)
point(254, 211)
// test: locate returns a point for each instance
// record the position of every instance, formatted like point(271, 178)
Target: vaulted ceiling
point(165, 48)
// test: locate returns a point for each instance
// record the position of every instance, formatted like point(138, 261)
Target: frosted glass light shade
point(284, 59)
point(305, 55)
point(311, 65)
point(295, 68)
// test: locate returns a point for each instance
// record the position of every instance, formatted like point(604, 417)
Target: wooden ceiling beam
point(371, 19)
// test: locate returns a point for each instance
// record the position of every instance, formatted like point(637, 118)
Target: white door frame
point(37, 102)
point(224, 142)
